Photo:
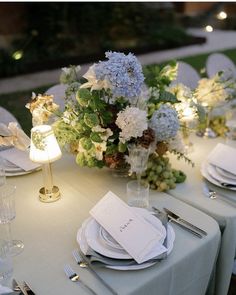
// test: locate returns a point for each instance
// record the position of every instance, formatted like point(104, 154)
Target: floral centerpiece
point(113, 108)
point(214, 94)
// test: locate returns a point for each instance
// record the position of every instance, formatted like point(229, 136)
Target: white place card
point(19, 158)
point(224, 157)
point(137, 236)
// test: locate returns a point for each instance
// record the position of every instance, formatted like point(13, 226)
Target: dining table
point(49, 230)
point(222, 208)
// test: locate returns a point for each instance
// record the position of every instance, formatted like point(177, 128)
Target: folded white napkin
point(139, 238)
point(4, 290)
point(19, 158)
point(224, 157)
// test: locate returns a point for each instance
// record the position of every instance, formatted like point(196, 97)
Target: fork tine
point(76, 256)
point(68, 270)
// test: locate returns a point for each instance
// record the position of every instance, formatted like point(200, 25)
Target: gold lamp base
point(49, 196)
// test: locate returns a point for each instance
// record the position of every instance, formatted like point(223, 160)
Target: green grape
point(158, 169)
point(166, 174)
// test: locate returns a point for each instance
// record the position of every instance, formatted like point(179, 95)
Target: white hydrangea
point(132, 122)
point(165, 123)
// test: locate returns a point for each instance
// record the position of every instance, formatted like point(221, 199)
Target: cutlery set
point(24, 288)
point(172, 217)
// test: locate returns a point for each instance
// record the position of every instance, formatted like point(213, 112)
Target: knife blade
point(229, 185)
point(181, 220)
point(28, 289)
point(18, 288)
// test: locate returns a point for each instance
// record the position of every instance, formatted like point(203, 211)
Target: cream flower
point(93, 82)
point(211, 92)
point(99, 149)
point(105, 133)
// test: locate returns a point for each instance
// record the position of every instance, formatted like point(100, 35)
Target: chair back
point(219, 62)
point(187, 75)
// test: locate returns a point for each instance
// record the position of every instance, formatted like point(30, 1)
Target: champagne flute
point(7, 214)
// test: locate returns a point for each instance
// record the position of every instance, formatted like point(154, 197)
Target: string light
point(209, 29)
point(222, 15)
point(17, 54)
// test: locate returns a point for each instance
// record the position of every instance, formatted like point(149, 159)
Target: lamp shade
point(44, 147)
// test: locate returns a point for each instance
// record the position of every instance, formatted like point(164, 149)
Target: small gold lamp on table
point(44, 149)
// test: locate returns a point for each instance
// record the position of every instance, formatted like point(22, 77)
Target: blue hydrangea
point(124, 72)
point(165, 123)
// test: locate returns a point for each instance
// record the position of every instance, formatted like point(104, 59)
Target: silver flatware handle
point(185, 227)
point(85, 286)
point(224, 184)
point(97, 275)
point(193, 226)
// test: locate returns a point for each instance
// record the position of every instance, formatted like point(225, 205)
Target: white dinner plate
point(83, 244)
point(206, 175)
point(225, 173)
point(170, 245)
point(108, 240)
point(22, 172)
point(84, 247)
point(97, 244)
point(213, 172)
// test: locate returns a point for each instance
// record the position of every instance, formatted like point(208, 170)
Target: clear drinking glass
point(6, 266)
point(138, 194)
point(2, 173)
point(138, 158)
point(7, 214)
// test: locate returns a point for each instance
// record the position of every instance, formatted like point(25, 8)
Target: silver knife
point(181, 220)
point(28, 289)
point(18, 288)
point(184, 227)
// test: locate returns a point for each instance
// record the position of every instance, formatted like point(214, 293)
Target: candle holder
point(44, 149)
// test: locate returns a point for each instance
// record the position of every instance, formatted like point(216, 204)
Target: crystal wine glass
point(7, 214)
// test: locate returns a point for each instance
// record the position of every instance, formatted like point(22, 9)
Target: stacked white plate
point(93, 236)
point(218, 176)
point(13, 170)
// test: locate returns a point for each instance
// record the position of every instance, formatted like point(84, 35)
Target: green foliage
point(94, 136)
point(83, 97)
point(91, 119)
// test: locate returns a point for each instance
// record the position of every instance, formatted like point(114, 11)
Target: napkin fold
point(224, 157)
point(19, 158)
point(98, 260)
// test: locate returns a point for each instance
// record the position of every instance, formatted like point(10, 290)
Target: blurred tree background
point(54, 34)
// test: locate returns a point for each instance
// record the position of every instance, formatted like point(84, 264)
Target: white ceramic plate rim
point(98, 245)
point(213, 173)
point(211, 179)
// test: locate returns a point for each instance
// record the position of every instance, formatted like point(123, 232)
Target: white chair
point(187, 75)
point(219, 62)
point(58, 92)
point(6, 117)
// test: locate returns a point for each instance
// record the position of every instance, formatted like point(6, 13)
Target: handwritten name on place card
point(129, 229)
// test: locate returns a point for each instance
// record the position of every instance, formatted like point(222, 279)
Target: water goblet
point(7, 214)
point(138, 158)
point(2, 172)
point(138, 194)
point(6, 266)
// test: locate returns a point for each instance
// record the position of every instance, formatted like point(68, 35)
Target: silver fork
point(76, 278)
point(84, 264)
